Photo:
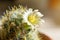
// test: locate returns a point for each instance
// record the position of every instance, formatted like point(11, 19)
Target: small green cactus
point(17, 25)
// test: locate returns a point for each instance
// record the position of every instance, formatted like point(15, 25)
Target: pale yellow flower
point(32, 17)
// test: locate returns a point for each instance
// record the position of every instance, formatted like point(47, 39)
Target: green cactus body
point(16, 25)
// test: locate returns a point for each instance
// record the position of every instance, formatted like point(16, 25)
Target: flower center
point(33, 18)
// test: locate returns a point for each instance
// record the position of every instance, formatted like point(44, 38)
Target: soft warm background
point(49, 8)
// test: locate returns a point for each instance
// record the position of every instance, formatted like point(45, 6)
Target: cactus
point(19, 23)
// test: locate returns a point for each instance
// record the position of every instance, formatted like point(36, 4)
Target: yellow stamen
point(33, 18)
